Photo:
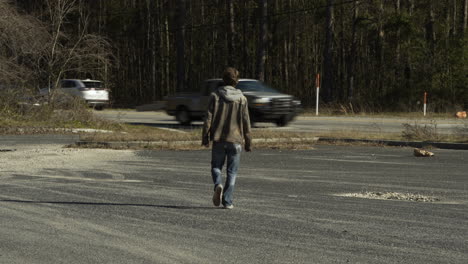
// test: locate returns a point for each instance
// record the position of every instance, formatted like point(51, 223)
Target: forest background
point(372, 55)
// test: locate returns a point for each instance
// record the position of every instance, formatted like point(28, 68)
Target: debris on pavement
point(412, 197)
point(7, 150)
point(461, 114)
point(422, 153)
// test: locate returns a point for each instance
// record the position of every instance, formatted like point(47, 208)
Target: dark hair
point(231, 76)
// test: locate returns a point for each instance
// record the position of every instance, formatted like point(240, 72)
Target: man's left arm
point(246, 127)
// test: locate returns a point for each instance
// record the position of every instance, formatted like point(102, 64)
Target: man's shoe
point(230, 206)
point(218, 194)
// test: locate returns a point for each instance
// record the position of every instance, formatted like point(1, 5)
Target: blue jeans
point(221, 152)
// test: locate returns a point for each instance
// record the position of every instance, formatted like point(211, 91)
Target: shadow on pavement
point(112, 204)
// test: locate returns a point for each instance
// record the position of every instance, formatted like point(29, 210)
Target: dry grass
point(341, 110)
point(430, 133)
point(462, 134)
point(360, 135)
point(23, 113)
point(142, 133)
point(427, 132)
point(142, 137)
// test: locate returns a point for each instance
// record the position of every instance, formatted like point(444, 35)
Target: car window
point(67, 84)
point(254, 86)
point(91, 84)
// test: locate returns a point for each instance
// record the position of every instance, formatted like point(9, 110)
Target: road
point(120, 206)
point(304, 123)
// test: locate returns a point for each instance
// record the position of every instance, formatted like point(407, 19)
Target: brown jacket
point(227, 117)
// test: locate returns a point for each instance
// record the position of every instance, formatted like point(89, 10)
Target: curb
point(393, 143)
point(142, 144)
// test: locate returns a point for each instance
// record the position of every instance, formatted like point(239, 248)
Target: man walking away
point(227, 125)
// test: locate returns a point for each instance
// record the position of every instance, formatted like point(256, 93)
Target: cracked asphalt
point(60, 205)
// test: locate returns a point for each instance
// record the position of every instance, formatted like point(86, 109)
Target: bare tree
point(21, 39)
point(81, 53)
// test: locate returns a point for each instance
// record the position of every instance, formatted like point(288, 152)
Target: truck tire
point(283, 121)
point(183, 116)
point(99, 107)
point(252, 118)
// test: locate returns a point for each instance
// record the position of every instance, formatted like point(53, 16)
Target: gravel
point(33, 159)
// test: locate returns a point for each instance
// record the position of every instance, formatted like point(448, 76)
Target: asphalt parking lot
point(106, 206)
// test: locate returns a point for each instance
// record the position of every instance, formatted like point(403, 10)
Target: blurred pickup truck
point(265, 103)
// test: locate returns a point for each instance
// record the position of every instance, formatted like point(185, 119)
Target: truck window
point(211, 86)
point(206, 89)
point(254, 86)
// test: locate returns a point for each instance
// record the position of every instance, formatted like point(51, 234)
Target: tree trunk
point(464, 19)
point(381, 50)
point(231, 32)
point(167, 65)
point(454, 19)
point(449, 26)
point(410, 7)
point(261, 55)
point(327, 83)
point(180, 36)
point(352, 54)
point(430, 38)
point(430, 30)
point(189, 81)
point(150, 45)
point(340, 89)
point(245, 16)
point(287, 49)
point(398, 33)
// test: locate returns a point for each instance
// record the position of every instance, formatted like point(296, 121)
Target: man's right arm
point(207, 122)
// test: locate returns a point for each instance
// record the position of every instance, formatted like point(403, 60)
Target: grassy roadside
point(157, 138)
point(46, 120)
point(406, 115)
point(351, 110)
point(143, 137)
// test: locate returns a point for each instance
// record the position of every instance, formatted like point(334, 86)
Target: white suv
point(92, 91)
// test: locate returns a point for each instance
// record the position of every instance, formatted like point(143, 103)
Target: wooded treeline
point(372, 54)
